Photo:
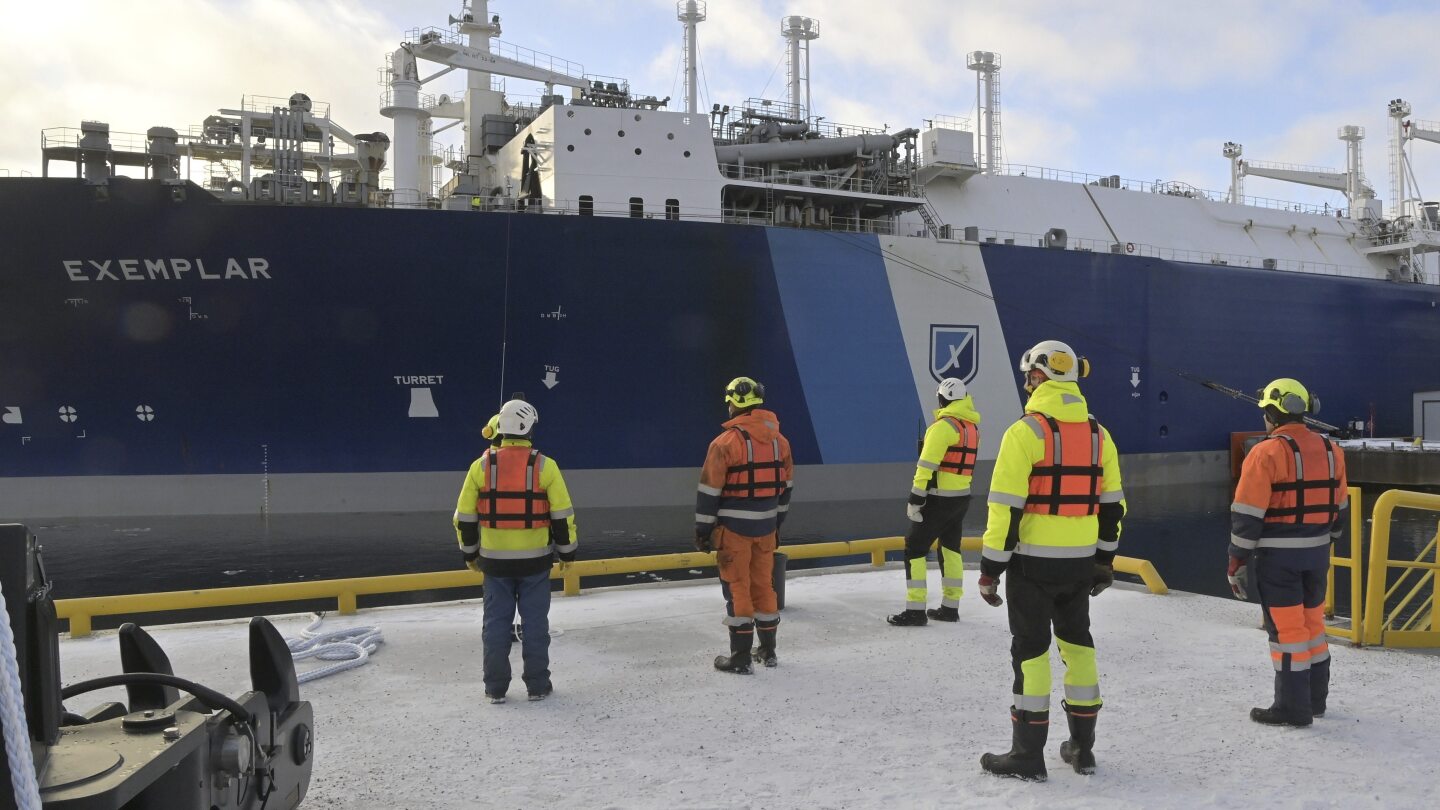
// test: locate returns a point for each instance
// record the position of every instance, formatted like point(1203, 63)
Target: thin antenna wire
point(773, 71)
point(505, 309)
point(701, 60)
point(679, 62)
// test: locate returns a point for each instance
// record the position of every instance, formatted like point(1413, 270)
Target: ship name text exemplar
point(249, 269)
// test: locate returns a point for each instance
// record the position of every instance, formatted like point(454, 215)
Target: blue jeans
point(502, 596)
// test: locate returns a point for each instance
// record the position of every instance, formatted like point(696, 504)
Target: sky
point(1146, 89)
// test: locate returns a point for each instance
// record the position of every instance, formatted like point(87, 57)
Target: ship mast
point(691, 13)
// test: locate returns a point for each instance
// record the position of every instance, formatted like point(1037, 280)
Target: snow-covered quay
point(859, 714)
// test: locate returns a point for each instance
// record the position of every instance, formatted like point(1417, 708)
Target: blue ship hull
point(295, 340)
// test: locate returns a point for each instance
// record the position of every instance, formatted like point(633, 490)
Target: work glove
point(913, 507)
point(473, 564)
point(1103, 578)
point(1238, 572)
point(702, 541)
point(989, 591)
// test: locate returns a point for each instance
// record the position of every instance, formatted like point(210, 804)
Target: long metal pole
point(794, 72)
point(692, 100)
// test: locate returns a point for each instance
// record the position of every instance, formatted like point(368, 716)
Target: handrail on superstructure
point(81, 612)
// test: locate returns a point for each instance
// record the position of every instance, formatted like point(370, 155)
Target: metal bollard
point(777, 579)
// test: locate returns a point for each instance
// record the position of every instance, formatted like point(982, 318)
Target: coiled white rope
point(12, 714)
point(348, 647)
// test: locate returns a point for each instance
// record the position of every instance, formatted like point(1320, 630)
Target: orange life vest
point(759, 476)
point(960, 457)
point(1068, 480)
point(511, 497)
point(1313, 496)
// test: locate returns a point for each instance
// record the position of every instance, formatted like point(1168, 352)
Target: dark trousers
point(941, 519)
point(503, 596)
point(1292, 595)
point(1035, 607)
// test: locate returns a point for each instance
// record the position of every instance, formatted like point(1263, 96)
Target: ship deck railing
point(1142, 249)
point(82, 612)
point(507, 50)
point(1167, 187)
point(884, 226)
point(820, 181)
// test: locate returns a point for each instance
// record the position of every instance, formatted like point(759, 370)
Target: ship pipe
point(805, 150)
point(1248, 223)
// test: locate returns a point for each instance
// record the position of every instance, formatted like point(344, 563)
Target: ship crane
point(1359, 194)
point(1414, 227)
point(1407, 201)
point(469, 49)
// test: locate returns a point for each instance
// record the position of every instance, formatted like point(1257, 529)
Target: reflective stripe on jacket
point(745, 483)
point(948, 452)
point(1066, 542)
point(1292, 493)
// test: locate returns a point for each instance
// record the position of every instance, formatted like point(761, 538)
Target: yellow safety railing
point(81, 612)
point(1357, 588)
point(1380, 620)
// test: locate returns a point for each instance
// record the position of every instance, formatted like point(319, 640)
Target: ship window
point(587, 205)
point(637, 150)
point(621, 133)
point(687, 153)
point(587, 130)
point(637, 116)
point(637, 208)
point(570, 148)
point(670, 136)
point(672, 209)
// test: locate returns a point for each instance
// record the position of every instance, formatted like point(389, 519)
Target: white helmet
point(1057, 360)
point(952, 389)
point(517, 418)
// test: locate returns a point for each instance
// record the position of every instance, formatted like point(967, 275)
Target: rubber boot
point(738, 661)
point(1078, 751)
point(908, 618)
point(1026, 759)
point(765, 630)
point(1292, 702)
point(1319, 687)
point(944, 614)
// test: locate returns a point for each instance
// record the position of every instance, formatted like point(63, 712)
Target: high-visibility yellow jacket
point(1052, 546)
point(517, 552)
point(935, 476)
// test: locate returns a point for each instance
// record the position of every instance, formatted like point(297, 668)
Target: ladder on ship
point(937, 229)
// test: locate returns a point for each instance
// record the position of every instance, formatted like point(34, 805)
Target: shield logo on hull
point(954, 352)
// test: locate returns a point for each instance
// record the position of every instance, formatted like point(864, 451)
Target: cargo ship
point(297, 333)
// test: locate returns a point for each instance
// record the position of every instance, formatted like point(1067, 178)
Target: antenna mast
point(798, 32)
point(691, 13)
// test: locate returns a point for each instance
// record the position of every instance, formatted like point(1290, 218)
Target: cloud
point(1133, 87)
point(180, 61)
